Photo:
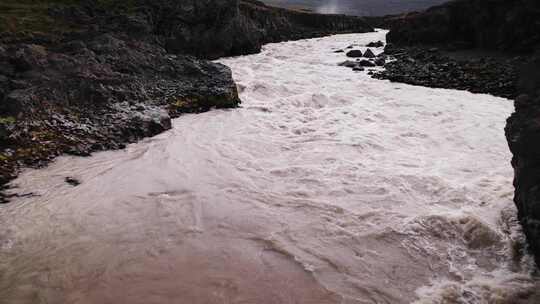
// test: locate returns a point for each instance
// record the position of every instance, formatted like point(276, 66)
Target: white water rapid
point(327, 186)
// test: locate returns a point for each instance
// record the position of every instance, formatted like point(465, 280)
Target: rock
point(106, 43)
point(349, 64)
point(366, 63)
point(218, 28)
point(74, 46)
point(72, 181)
point(354, 53)
point(358, 68)
point(375, 44)
point(4, 133)
point(15, 102)
point(380, 61)
point(369, 54)
point(523, 136)
point(497, 24)
point(120, 72)
point(418, 66)
point(339, 51)
point(29, 57)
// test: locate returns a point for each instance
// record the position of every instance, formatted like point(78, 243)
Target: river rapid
point(327, 186)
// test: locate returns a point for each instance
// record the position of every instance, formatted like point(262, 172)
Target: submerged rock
point(72, 181)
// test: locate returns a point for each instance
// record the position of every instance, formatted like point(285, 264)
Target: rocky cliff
point(491, 24)
point(80, 76)
point(242, 26)
point(508, 27)
point(523, 135)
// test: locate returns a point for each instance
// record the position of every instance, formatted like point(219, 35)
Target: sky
point(358, 7)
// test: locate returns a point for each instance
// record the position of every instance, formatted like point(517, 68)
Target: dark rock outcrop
point(523, 135)
point(495, 24)
point(509, 28)
point(238, 27)
point(99, 74)
point(431, 67)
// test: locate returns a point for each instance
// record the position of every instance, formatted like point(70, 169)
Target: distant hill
point(358, 7)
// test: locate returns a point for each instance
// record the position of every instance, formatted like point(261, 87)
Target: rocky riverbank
point(82, 76)
point(482, 47)
point(436, 68)
point(523, 135)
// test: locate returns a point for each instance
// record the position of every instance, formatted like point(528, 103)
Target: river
point(326, 186)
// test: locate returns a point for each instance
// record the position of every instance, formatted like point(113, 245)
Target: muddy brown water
point(327, 186)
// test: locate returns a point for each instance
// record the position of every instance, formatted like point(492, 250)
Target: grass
point(7, 120)
point(18, 16)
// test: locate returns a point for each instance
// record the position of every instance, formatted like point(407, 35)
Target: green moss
point(32, 15)
point(8, 120)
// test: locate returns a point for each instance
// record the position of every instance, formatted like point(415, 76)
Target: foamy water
point(327, 186)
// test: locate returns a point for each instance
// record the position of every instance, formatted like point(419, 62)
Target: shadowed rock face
point(234, 27)
point(523, 135)
point(495, 24)
point(106, 73)
point(499, 25)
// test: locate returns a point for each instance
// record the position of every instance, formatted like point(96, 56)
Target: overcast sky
point(359, 7)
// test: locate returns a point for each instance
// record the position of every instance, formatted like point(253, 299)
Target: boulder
point(375, 44)
point(379, 61)
point(349, 64)
point(15, 102)
point(369, 54)
point(29, 57)
point(354, 54)
point(366, 63)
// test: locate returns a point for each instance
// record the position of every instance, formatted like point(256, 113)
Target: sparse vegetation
point(7, 120)
point(19, 16)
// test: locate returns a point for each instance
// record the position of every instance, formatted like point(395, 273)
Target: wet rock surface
point(124, 69)
point(354, 54)
point(431, 67)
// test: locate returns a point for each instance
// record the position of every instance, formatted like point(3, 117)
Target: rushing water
point(327, 186)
